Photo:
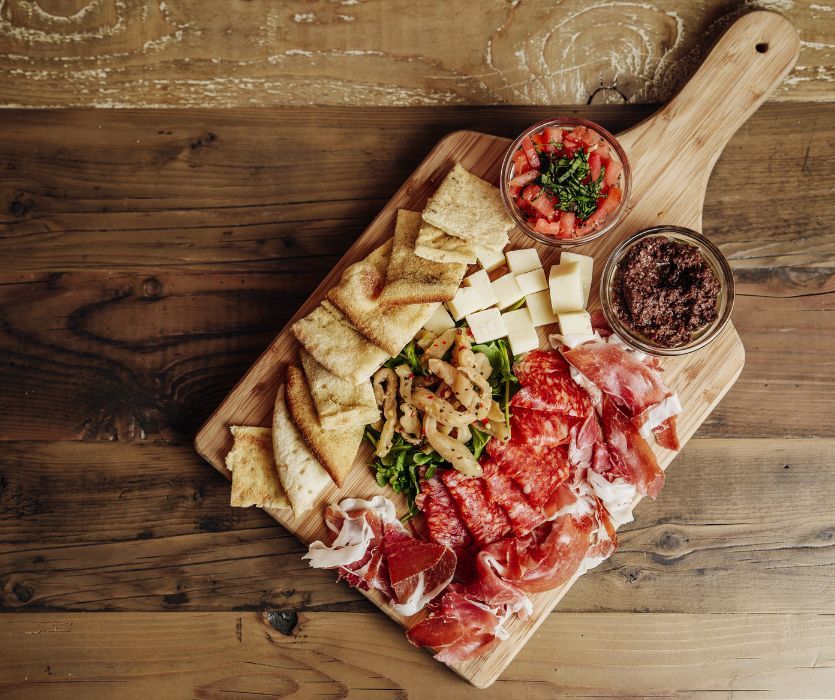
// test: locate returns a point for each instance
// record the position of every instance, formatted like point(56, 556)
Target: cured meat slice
point(484, 519)
point(503, 490)
point(537, 470)
point(583, 437)
point(666, 435)
point(418, 571)
point(442, 518)
point(547, 385)
point(631, 456)
point(540, 427)
point(489, 585)
point(632, 384)
point(458, 628)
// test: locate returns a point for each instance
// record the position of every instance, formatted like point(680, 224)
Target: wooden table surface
point(149, 255)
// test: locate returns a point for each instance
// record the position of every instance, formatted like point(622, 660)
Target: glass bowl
point(711, 255)
point(518, 216)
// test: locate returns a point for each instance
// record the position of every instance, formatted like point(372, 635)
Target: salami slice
point(540, 427)
point(442, 517)
point(503, 490)
point(485, 520)
point(547, 385)
point(537, 470)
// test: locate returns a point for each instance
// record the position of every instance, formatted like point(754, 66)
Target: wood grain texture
point(187, 53)
point(223, 655)
point(744, 525)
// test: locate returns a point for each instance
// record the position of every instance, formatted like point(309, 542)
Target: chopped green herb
point(409, 356)
point(564, 178)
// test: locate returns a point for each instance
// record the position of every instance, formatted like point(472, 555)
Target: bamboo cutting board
point(672, 154)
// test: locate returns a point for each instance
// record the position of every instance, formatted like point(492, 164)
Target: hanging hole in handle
point(762, 47)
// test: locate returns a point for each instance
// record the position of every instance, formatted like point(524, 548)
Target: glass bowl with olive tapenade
point(565, 181)
point(667, 290)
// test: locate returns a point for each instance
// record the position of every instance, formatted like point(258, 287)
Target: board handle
point(747, 63)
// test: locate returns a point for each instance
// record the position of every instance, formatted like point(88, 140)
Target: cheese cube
point(575, 323)
point(464, 302)
point(439, 321)
point(480, 281)
point(520, 331)
point(586, 264)
point(524, 260)
point(532, 282)
point(507, 290)
point(487, 325)
point(489, 259)
point(539, 306)
point(566, 288)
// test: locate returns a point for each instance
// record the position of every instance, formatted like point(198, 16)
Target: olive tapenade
point(665, 290)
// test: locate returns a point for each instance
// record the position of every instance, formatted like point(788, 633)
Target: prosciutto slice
point(458, 628)
point(372, 549)
point(630, 457)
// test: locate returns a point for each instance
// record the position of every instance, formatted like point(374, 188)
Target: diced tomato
point(553, 134)
point(549, 228)
point(520, 163)
point(576, 135)
point(605, 206)
point(603, 150)
point(594, 167)
point(531, 192)
point(567, 219)
point(590, 138)
point(513, 190)
point(524, 205)
point(539, 140)
point(530, 152)
point(544, 205)
point(524, 178)
point(613, 171)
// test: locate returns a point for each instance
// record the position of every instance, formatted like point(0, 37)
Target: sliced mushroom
point(387, 400)
point(409, 424)
point(407, 377)
point(455, 452)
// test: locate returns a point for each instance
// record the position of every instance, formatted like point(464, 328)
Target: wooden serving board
point(672, 154)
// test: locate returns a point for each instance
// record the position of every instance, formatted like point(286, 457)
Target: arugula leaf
point(409, 356)
point(478, 442)
point(564, 178)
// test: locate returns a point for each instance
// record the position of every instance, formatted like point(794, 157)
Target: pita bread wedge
point(302, 477)
point(470, 208)
point(334, 449)
point(329, 337)
point(255, 479)
point(413, 280)
point(339, 403)
point(357, 296)
point(433, 244)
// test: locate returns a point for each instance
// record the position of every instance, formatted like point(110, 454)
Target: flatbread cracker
point(335, 450)
point(255, 479)
point(357, 296)
point(329, 337)
point(413, 280)
point(470, 208)
point(339, 403)
point(433, 244)
point(302, 477)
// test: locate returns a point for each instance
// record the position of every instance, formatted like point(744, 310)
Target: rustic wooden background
point(149, 255)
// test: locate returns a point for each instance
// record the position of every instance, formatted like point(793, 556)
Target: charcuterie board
point(672, 155)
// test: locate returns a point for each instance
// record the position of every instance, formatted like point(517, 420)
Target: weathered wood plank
point(186, 53)
point(214, 655)
point(248, 188)
point(742, 525)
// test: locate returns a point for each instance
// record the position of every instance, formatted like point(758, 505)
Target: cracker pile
point(381, 303)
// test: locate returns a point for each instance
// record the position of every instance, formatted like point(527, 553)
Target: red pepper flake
point(484, 421)
point(443, 342)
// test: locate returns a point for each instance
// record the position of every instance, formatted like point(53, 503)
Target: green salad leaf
point(409, 356)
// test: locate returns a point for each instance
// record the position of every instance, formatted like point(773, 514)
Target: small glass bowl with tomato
point(565, 182)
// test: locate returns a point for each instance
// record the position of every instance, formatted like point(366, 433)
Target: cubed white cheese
point(575, 323)
point(523, 260)
point(520, 331)
point(507, 290)
point(566, 288)
point(489, 259)
point(539, 306)
point(480, 281)
point(464, 302)
point(586, 264)
point(439, 321)
point(532, 282)
point(487, 325)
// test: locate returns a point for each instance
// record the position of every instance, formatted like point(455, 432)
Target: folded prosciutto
point(372, 549)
